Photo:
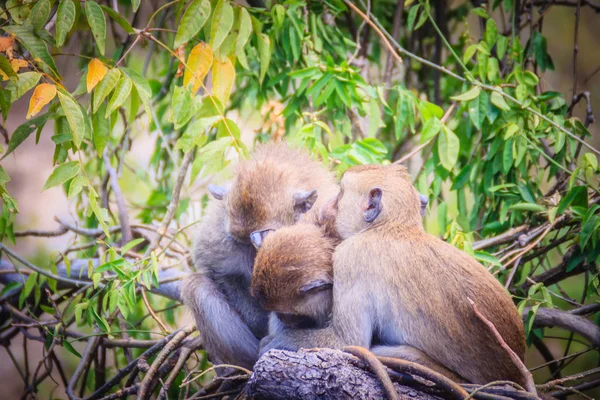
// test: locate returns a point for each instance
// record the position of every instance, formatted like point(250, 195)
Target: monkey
point(277, 186)
point(407, 292)
point(293, 276)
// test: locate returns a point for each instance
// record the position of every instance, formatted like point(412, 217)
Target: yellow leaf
point(96, 72)
point(42, 95)
point(6, 43)
point(223, 75)
point(17, 64)
point(199, 62)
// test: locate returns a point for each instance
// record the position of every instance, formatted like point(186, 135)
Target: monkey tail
point(549, 317)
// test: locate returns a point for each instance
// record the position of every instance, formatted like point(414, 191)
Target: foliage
point(496, 152)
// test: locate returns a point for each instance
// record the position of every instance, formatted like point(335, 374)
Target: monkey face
point(293, 271)
point(255, 204)
point(372, 194)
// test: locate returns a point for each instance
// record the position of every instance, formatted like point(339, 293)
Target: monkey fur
point(278, 186)
point(293, 276)
point(406, 291)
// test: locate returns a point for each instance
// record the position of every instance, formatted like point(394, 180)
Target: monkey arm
point(226, 338)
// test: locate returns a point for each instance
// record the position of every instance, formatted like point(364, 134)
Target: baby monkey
point(293, 275)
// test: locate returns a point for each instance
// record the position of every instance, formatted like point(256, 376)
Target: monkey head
point(293, 272)
point(262, 197)
point(373, 194)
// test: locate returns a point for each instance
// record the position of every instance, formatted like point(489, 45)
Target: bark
point(323, 374)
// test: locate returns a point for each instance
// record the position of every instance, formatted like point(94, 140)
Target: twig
point(37, 233)
point(376, 367)
point(143, 391)
point(376, 29)
point(151, 311)
point(121, 207)
point(41, 271)
point(389, 67)
point(183, 357)
point(172, 207)
point(415, 369)
point(529, 384)
point(552, 384)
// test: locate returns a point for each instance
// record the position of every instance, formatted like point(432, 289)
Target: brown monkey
point(396, 285)
point(293, 276)
point(278, 186)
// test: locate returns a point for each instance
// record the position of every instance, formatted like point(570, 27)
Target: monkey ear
point(424, 201)
point(304, 200)
point(374, 205)
point(317, 284)
point(258, 237)
point(218, 192)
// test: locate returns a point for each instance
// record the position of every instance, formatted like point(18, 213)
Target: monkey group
point(287, 258)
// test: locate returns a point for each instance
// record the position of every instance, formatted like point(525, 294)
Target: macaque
point(293, 276)
point(405, 293)
point(278, 186)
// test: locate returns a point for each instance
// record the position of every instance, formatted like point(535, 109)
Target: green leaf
point(430, 128)
point(448, 148)
point(507, 156)
point(62, 173)
point(119, 19)
point(28, 287)
point(34, 44)
point(412, 16)
point(501, 46)
point(527, 207)
point(140, 83)
point(468, 95)
point(486, 257)
point(77, 120)
point(39, 14)
point(491, 32)
point(480, 12)
point(70, 348)
point(26, 82)
point(77, 185)
point(120, 95)
point(540, 50)
point(23, 132)
point(469, 53)
point(100, 130)
point(182, 106)
point(591, 160)
point(194, 18)
point(511, 130)
point(135, 4)
point(530, 78)
point(105, 86)
point(97, 22)
point(264, 51)
point(195, 133)
point(244, 30)
point(65, 19)
point(6, 67)
point(499, 101)
point(492, 69)
point(478, 109)
point(587, 230)
point(222, 21)
point(131, 245)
